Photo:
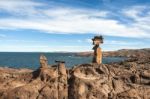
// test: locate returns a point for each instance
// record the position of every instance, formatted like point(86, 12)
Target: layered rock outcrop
point(48, 82)
point(129, 79)
point(109, 82)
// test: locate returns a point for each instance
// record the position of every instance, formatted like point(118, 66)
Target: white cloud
point(71, 20)
point(43, 48)
point(88, 40)
point(134, 11)
point(22, 41)
point(21, 7)
point(140, 16)
point(119, 42)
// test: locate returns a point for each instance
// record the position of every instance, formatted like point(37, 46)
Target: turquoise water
point(31, 60)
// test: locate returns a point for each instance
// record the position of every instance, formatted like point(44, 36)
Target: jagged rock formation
point(43, 61)
point(125, 80)
point(97, 58)
point(48, 82)
point(91, 81)
point(62, 81)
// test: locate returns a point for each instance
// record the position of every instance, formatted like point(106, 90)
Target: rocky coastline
point(129, 79)
point(129, 53)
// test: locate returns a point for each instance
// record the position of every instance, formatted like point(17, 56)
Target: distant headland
point(128, 79)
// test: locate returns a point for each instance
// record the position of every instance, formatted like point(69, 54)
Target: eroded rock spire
point(43, 61)
point(97, 40)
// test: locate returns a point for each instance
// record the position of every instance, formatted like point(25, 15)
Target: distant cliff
point(121, 53)
point(124, 80)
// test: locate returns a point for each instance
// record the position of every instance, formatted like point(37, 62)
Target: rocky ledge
point(129, 79)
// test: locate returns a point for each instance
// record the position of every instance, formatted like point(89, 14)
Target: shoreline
point(129, 78)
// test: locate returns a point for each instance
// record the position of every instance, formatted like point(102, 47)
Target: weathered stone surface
point(125, 80)
point(62, 81)
point(43, 61)
point(44, 83)
point(97, 58)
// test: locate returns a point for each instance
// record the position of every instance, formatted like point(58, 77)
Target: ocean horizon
point(30, 60)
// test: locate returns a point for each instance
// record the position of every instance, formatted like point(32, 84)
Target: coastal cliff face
point(125, 80)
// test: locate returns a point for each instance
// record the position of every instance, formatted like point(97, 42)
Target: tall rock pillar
point(43, 61)
point(97, 58)
point(62, 80)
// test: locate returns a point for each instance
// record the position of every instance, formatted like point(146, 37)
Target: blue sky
point(69, 25)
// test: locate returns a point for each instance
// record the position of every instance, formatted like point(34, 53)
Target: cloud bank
point(51, 18)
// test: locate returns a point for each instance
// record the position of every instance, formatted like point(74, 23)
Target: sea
point(30, 60)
